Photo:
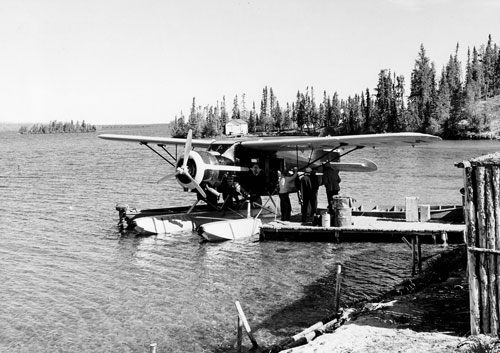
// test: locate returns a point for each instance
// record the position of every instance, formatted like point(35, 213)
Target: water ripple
point(70, 283)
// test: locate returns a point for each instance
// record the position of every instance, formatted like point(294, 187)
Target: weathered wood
point(485, 251)
point(470, 221)
point(338, 281)
point(490, 244)
point(419, 254)
point(425, 213)
point(245, 324)
point(411, 210)
point(152, 348)
point(406, 242)
point(482, 235)
point(496, 208)
point(413, 256)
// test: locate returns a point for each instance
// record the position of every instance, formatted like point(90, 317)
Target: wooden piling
point(490, 244)
point(239, 335)
point(482, 217)
point(413, 256)
point(244, 321)
point(152, 348)
point(338, 281)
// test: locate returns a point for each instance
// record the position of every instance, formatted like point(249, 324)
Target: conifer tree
point(336, 114)
point(399, 104)
point(441, 114)
point(263, 117)
point(300, 111)
point(272, 111)
point(496, 75)
point(383, 119)
point(244, 114)
point(236, 109)
point(287, 117)
point(488, 61)
point(453, 77)
point(223, 115)
point(252, 119)
point(422, 93)
point(278, 117)
point(328, 110)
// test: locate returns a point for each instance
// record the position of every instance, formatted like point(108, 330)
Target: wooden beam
point(245, 324)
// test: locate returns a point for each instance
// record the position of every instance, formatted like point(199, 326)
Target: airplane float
point(204, 163)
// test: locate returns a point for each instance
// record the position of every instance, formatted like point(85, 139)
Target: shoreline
point(427, 313)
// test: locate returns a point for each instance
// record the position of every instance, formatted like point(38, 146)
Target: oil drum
point(342, 211)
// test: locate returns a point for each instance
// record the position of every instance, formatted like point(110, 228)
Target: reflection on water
point(70, 283)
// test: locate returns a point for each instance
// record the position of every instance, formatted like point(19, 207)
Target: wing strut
point(155, 151)
point(342, 155)
point(324, 154)
point(167, 152)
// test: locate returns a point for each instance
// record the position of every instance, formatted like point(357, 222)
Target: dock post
point(411, 209)
point(239, 335)
point(419, 254)
point(482, 218)
point(152, 348)
point(425, 213)
point(338, 281)
point(444, 238)
point(245, 324)
point(413, 256)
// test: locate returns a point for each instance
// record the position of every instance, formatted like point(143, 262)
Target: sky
point(143, 61)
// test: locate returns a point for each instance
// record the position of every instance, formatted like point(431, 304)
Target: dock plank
point(371, 227)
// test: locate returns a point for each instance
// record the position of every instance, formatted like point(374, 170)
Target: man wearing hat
point(308, 190)
point(286, 185)
point(331, 181)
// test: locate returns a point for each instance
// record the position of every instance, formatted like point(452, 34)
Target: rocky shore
point(429, 313)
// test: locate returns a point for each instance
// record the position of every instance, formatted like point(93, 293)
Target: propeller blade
point(169, 176)
point(196, 185)
point(187, 148)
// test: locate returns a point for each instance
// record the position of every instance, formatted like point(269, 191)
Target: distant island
point(58, 127)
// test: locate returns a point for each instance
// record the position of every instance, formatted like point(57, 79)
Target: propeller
point(187, 149)
point(183, 169)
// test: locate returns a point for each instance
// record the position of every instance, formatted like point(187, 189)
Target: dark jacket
point(331, 178)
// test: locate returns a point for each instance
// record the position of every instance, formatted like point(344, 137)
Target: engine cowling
point(204, 167)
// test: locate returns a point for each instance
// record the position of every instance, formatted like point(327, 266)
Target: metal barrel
point(342, 211)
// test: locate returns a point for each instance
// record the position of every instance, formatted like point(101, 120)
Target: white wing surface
point(328, 142)
point(291, 143)
point(161, 140)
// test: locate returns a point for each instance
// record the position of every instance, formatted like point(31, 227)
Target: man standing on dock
point(286, 186)
point(331, 180)
point(308, 191)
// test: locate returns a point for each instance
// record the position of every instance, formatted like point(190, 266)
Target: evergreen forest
point(444, 104)
point(58, 127)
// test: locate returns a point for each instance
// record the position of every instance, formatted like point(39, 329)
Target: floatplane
point(206, 165)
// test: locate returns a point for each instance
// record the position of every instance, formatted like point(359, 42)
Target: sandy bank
point(428, 313)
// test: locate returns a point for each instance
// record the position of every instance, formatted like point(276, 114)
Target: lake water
point(70, 283)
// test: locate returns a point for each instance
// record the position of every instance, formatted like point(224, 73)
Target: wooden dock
point(371, 229)
point(363, 228)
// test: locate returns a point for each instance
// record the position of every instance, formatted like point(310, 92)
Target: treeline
point(444, 105)
point(55, 127)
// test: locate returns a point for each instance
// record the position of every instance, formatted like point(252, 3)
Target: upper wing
point(290, 143)
point(328, 142)
point(162, 140)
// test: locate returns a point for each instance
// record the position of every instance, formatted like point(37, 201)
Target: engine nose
point(191, 169)
point(195, 167)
